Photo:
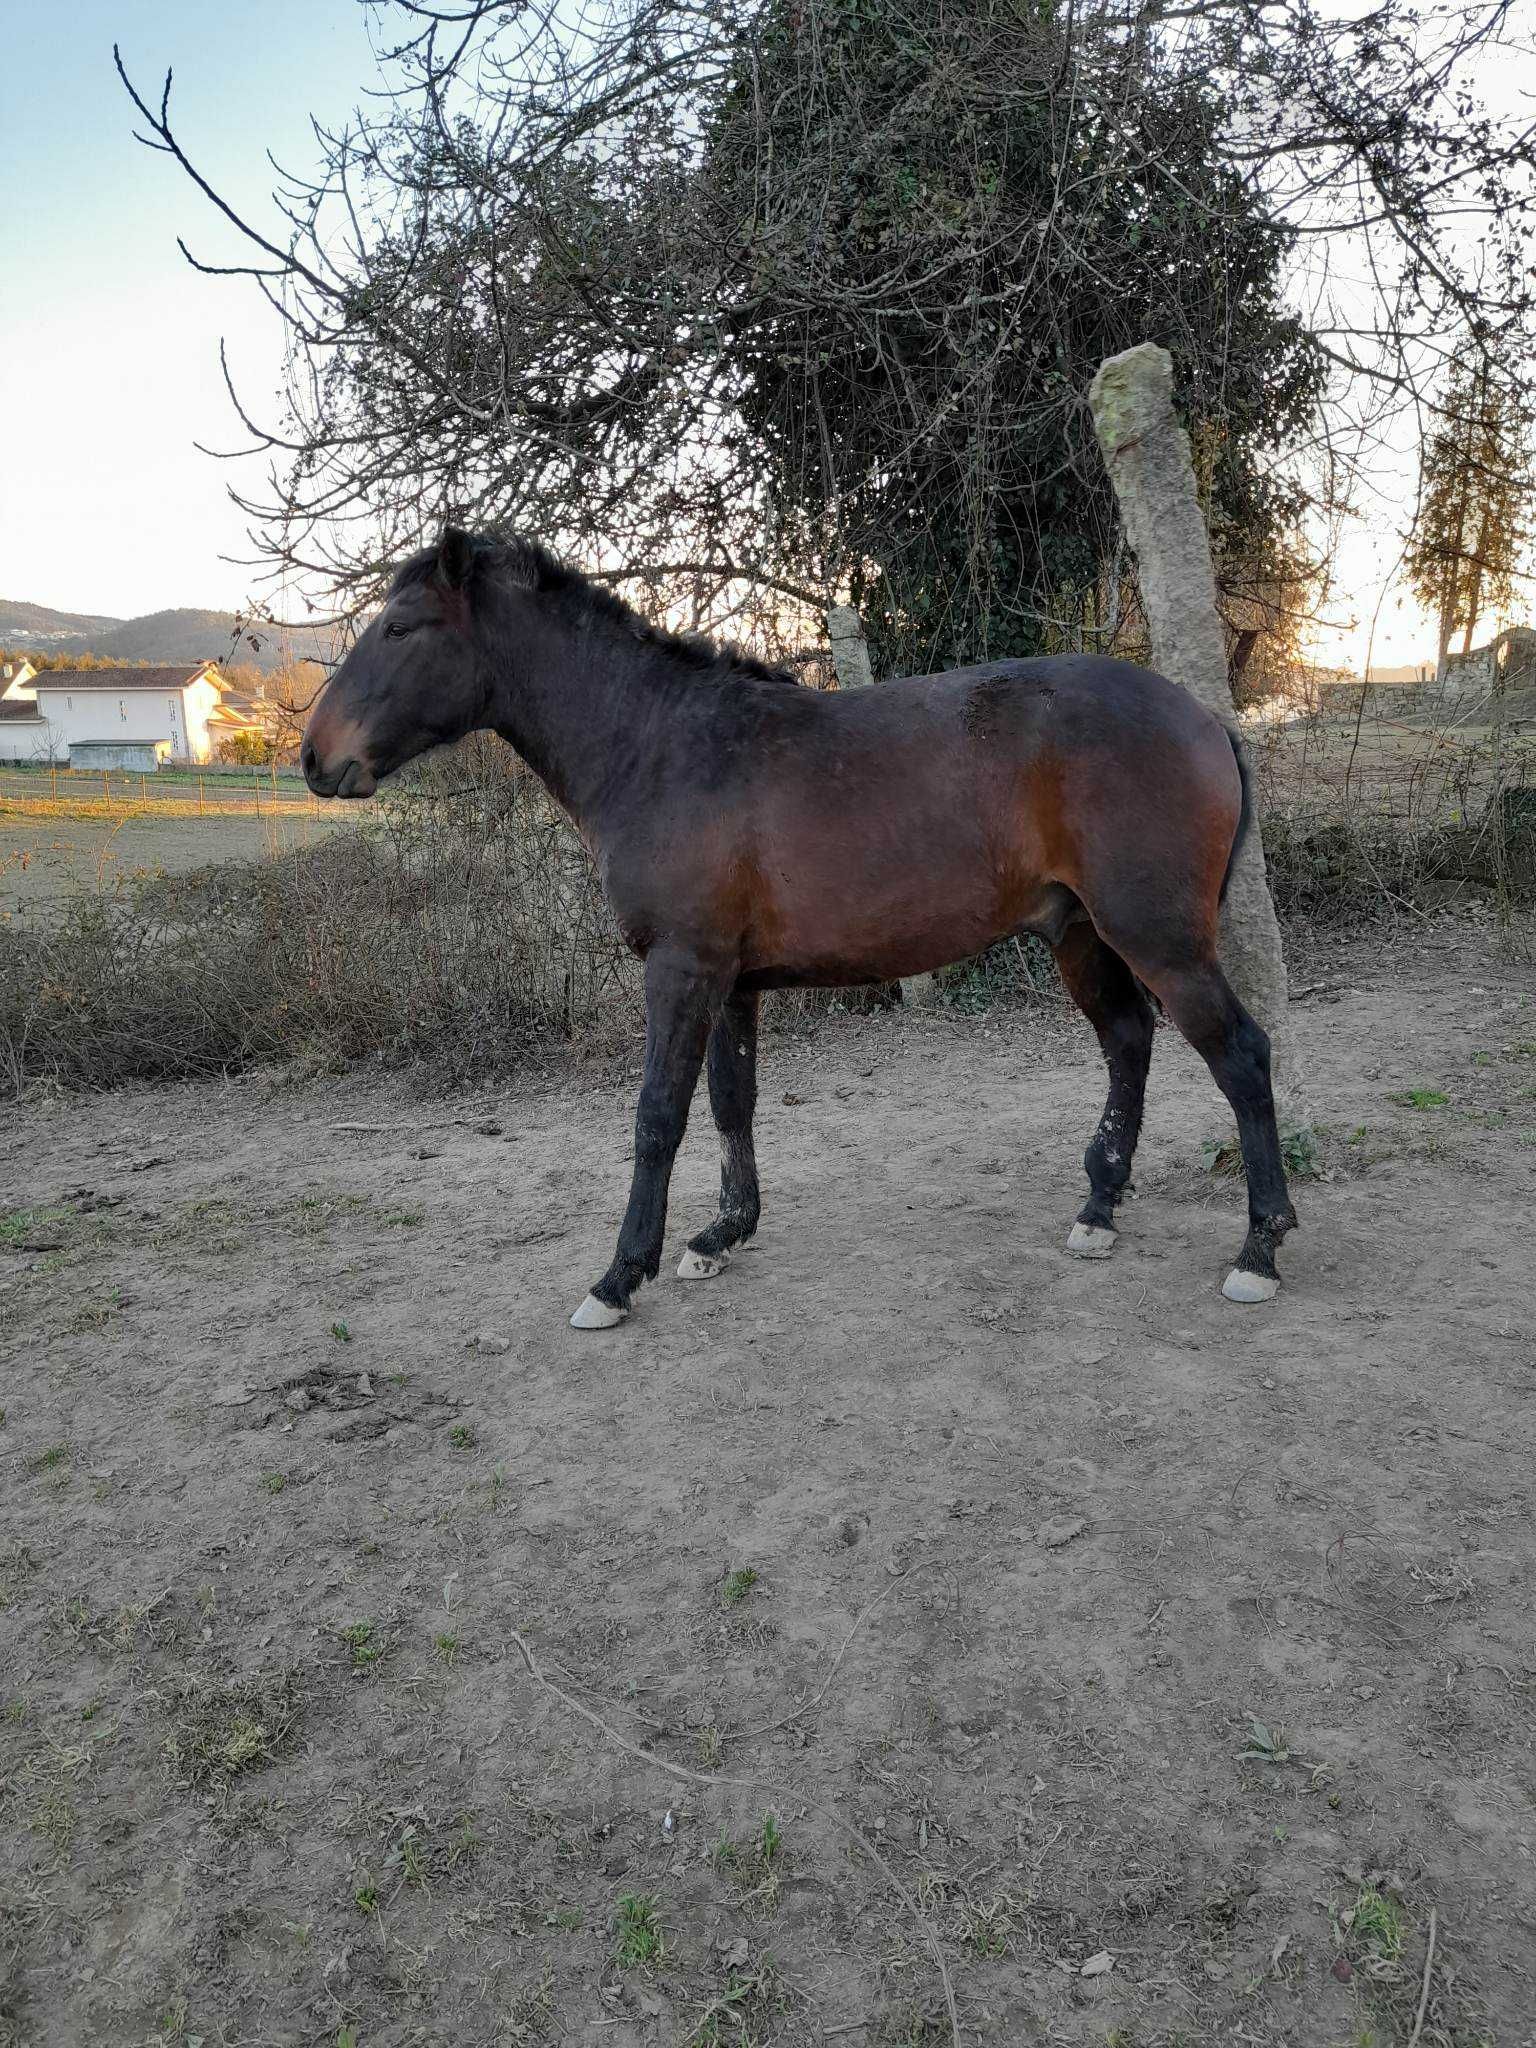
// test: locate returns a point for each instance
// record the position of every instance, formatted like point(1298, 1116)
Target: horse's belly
point(854, 928)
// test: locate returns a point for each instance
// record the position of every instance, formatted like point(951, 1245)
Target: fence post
point(199, 792)
point(850, 660)
point(106, 785)
point(256, 786)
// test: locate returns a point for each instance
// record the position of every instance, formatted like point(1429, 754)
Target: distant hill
point(34, 625)
point(181, 635)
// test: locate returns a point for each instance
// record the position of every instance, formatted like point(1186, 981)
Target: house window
point(70, 702)
point(122, 710)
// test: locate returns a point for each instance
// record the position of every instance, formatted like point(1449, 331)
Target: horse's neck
point(584, 705)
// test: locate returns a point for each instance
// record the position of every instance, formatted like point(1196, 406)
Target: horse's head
point(414, 680)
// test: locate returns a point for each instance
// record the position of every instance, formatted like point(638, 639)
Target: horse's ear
point(455, 558)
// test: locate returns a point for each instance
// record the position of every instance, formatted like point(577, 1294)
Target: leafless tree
point(700, 292)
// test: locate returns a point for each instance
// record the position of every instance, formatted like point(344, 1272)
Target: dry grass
point(1380, 815)
point(462, 918)
point(220, 1729)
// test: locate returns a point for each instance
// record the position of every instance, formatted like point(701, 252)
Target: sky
point(109, 341)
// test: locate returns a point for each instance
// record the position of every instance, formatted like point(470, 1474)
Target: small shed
point(143, 757)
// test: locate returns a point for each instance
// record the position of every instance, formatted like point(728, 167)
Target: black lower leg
point(733, 1098)
point(1236, 1049)
point(1242, 1072)
point(1111, 998)
point(679, 1002)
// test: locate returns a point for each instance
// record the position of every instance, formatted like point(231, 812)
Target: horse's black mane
point(533, 565)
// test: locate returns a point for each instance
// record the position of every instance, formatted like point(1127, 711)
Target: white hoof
point(1241, 1286)
point(597, 1315)
point(700, 1266)
point(1090, 1241)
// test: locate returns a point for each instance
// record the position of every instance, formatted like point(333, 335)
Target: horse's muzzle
point(352, 779)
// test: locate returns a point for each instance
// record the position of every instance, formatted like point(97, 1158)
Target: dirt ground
point(1152, 1670)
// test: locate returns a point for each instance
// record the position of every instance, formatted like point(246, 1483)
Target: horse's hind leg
point(1111, 998)
point(733, 1098)
point(1200, 1001)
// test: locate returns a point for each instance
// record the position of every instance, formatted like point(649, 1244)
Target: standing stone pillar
point(1147, 455)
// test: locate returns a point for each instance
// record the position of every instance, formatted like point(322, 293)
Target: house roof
point(235, 708)
point(176, 676)
point(19, 707)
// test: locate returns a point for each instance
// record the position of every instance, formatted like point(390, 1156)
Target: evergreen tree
point(1474, 496)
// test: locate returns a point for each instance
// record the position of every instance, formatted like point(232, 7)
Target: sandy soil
point(1152, 1670)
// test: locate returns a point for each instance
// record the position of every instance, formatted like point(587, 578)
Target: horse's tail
point(1245, 815)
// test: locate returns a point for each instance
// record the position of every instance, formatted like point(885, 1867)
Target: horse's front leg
point(732, 1097)
point(681, 998)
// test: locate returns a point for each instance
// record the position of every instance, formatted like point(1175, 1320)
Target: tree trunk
point(1475, 588)
point(1147, 455)
point(850, 660)
point(1237, 661)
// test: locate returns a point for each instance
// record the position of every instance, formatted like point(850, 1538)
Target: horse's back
point(1101, 692)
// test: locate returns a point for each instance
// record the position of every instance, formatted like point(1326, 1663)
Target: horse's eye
point(396, 632)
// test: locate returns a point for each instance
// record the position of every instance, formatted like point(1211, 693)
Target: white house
point(106, 717)
point(23, 735)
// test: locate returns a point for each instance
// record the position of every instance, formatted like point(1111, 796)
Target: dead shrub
point(463, 918)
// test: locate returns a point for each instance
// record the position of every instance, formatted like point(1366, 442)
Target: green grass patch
point(19, 1227)
point(365, 1643)
point(1378, 1924)
point(637, 1939)
point(737, 1585)
point(1420, 1098)
point(753, 1867)
point(1298, 1150)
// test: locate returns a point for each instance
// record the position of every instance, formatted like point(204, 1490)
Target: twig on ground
point(443, 1124)
point(1429, 1964)
point(816, 1698)
point(787, 1793)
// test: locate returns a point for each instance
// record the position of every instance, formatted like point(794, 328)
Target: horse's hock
point(1146, 452)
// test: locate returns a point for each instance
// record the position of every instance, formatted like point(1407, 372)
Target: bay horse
point(752, 833)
